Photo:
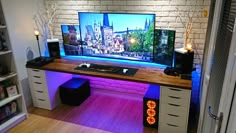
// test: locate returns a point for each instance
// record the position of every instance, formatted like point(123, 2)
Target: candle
point(36, 33)
point(189, 46)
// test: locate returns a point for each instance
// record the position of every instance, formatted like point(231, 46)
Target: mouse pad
point(109, 69)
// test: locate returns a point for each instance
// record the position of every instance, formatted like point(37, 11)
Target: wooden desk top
point(145, 74)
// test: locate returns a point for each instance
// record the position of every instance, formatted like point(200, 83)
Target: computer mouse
point(84, 66)
point(171, 71)
point(125, 70)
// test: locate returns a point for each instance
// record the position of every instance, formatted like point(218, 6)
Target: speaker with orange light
point(151, 106)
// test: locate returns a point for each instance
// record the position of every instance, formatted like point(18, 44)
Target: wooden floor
point(40, 124)
point(99, 113)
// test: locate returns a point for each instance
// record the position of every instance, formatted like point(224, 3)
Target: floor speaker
point(184, 61)
point(53, 48)
point(151, 106)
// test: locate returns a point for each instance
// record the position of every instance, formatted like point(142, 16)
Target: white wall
point(20, 24)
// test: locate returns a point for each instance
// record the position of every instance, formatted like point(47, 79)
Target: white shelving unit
point(7, 60)
point(3, 26)
point(7, 76)
point(5, 52)
point(12, 122)
point(9, 99)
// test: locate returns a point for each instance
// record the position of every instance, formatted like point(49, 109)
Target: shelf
point(3, 26)
point(12, 122)
point(7, 76)
point(5, 52)
point(9, 99)
point(7, 59)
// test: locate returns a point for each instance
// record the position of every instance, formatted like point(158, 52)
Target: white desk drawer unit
point(44, 87)
point(174, 110)
point(38, 88)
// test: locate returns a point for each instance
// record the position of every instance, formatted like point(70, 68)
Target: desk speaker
point(151, 107)
point(53, 48)
point(184, 62)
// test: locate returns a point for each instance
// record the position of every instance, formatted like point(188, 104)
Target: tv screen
point(71, 39)
point(164, 46)
point(116, 35)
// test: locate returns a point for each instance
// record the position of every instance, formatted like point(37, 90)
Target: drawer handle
point(174, 97)
point(41, 100)
point(40, 91)
point(36, 76)
point(35, 70)
point(174, 89)
point(176, 105)
point(172, 125)
point(37, 83)
point(173, 115)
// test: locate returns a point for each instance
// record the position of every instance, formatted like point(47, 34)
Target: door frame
point(232, 120)
point(208, 61)
point(226, 99)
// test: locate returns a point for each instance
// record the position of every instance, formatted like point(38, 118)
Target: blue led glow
point(62, 53)
point(130, 62)
point(149, 64)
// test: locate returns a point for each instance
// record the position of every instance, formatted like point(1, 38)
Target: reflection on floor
point(99, 114)
point(102, 112)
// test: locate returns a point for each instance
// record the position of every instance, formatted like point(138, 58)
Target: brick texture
point(167, 16)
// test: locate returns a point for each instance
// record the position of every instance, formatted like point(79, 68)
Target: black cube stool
point(74, 91)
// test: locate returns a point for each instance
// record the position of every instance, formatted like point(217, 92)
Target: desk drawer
point(37, 79)
point(39, 86)
point(174, 110)
point(41, 95)
point(42, 103)
point(174, 119)
point(35, 72)
point(171, 128)
point(174, 94)
point(167, 98)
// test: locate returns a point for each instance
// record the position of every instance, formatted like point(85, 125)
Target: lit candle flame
point(36, 33)
point(189, 46)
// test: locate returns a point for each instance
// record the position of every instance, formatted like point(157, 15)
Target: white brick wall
point(165, 10)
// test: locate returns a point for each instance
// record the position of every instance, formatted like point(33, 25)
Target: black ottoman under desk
point(74, 91)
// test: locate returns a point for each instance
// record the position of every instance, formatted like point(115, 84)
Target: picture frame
point(11, 90)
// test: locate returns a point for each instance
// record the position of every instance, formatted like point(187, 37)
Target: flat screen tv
point(117, 35)
point(164, 46)
point(71, 39)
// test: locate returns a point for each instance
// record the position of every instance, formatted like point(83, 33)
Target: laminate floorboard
point(101, 112)
point(40, 124)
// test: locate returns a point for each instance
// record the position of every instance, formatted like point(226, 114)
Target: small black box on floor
point(151, 106)
point(74, 91)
